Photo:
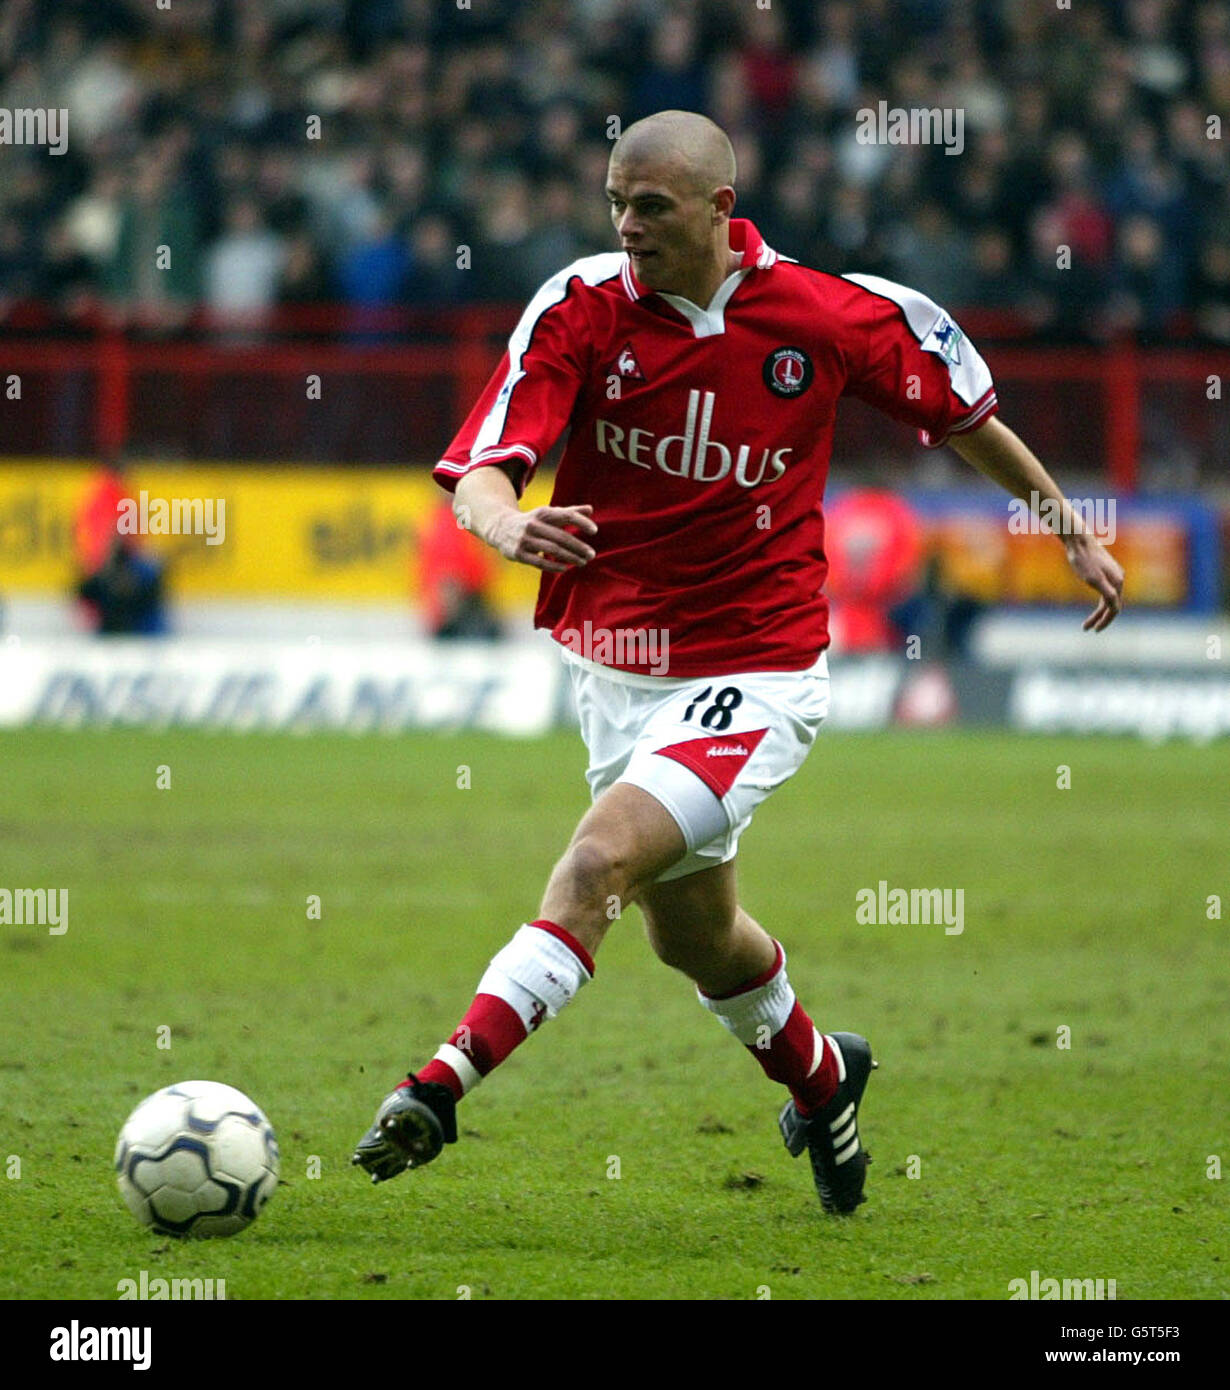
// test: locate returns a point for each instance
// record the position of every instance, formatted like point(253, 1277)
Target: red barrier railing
point(420, 370)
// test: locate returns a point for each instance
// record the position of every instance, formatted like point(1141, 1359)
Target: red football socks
point(532, 978)
point(769, 1021)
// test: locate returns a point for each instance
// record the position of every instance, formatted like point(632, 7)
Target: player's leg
point(696, 925)
point(622, 844)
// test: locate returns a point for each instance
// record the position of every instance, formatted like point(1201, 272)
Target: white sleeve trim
point(970, 422)
point(590, 270)
point(498, 451)
point(936, 332)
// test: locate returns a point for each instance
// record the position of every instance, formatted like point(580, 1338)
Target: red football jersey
point(702, 438)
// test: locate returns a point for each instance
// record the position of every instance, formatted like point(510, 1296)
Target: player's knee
point(679, 955)
point(596, 868)
point(693, 952)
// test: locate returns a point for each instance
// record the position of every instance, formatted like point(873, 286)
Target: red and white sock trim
point(530, 979)
point(467, 1074)
point(539, 970)
point(765, 1001)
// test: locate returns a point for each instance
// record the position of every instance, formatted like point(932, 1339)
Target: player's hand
point(545, 538)
point(1092, 562)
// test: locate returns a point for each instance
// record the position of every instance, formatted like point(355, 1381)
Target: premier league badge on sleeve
point(788, 371)
point(945, 341)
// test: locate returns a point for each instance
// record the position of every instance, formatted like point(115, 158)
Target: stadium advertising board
point(350, 533)
point(386, 688)
point(290, 532)
point(242, 686)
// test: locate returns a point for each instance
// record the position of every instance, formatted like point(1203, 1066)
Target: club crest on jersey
point(945, 341)
point(626, 365)
point(788, 371)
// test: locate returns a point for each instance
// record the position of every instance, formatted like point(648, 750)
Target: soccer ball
point(197, 1158)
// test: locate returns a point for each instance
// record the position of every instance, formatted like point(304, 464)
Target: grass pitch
point(997, 1152)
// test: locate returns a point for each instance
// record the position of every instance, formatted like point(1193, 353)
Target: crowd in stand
point(319, 151)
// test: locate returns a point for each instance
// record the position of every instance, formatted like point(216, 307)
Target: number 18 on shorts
point(710, 750)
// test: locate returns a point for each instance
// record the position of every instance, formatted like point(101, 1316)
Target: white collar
point(708, 322)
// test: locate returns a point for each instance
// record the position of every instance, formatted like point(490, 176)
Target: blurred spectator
point(929, 254)
point(155, 262)
point(552, 140)
point(1076, 126)
point(241, 269)
point(1075, 214)
point(1148, 184)
point(284, 208)
point(455, 572)
point(123, 597)
point(979, 195)
point(506, 228)
point(92, 219)
point(1065, 293)
point(66, 276)
point(405, 180)
point(1212, 294)
point(372, 270)
point(120, 587)
point(94, 527)
point(939, 615)
point(673, 77)
point(794, 216)
point(831, 71)
point(19, 265)
point(874, 542)
point(994, 282)
point(552, 243)
point(304, 278)
point(100, 89)
point(435, 277)
point(768, 65)
point(1146, 282)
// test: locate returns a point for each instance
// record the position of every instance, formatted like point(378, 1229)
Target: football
point(196, 1159)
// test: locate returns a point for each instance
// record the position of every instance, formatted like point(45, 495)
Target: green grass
point(1083, 907)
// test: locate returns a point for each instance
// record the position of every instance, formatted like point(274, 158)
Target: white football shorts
point(709, 749)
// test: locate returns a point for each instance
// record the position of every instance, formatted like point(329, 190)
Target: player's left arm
point(995, 450)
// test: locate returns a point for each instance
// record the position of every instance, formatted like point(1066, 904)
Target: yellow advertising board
point(350, 533)
point(289, 532)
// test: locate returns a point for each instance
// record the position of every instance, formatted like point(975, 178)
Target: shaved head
point(670, 185)
point(684, 142)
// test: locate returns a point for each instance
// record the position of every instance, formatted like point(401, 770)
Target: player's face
point(664, 224)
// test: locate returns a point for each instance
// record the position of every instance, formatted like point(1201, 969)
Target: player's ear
point(723, 204)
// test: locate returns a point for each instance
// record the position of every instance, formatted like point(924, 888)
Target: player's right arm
point(485, 502)
point(520, 414)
